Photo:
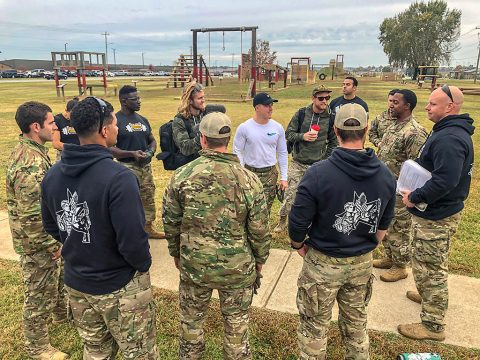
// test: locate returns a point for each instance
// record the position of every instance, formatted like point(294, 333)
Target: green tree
point(424, 34)
point(264, 54)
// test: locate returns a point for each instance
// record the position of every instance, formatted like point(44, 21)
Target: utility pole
point(65, 46)
point(114, 58)
point(143, 60)
point(478, 57)
point(233, 56)
point(106, 47)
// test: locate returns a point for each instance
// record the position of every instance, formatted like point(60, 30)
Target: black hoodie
point(92, 205)
point(341, 202)
point(448, 155)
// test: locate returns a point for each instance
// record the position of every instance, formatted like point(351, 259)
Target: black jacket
point(92, 205)
point(448, 155)
point(341, 202)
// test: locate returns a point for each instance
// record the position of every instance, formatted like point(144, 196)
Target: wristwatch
point(295, 248)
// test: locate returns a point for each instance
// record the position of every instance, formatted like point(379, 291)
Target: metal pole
point(66, 47)
point(233, 56)
point(114, 58)
point(143, 60)
point(106, 48)
point(478, 58)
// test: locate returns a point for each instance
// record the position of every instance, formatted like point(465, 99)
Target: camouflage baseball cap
point(351, 111)
point(319, 89)
point(212, 123)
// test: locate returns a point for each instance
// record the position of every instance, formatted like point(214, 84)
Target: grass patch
point(159, 105)
point(272, 336)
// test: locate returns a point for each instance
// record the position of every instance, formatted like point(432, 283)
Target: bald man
point(448, 155)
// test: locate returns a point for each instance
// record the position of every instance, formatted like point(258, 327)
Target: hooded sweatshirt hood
point(463, 121)
point(76, 159)
point(356, 164)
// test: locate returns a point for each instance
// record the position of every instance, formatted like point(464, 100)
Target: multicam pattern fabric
point(41, 281)
point(401, 141)
point(323, 280)
point(397, 241)
point(28, 164)
point(269, 182)
point(378, 126)
point(122, 320)
point(147, 189)
point(296, 171)
point(431, 244)
point(216, 221)
point(234, 304)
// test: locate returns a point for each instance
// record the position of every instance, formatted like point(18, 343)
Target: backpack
point(301, 117)
point(171, 156)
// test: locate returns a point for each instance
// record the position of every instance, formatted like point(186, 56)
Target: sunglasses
point(447, 91)
point(103, 110)
point(134, 98)
point(321, 98)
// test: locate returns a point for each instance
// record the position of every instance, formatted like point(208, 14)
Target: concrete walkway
point(388, 306)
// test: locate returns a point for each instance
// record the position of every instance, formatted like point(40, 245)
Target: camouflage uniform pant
point(123, 319)
point(296, 171)
point(41, 282)
point(398, 238)
point(322, 280)
point(147, 189)
point(269, 180)
point(431, 244)
point(234, 304)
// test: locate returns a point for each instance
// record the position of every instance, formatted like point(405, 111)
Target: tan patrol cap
point(351, 111)
point(212, 123)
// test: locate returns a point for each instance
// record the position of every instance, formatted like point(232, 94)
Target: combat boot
point(385, 263)
point(414, 296)
point(282, 225)
point(152, 233)
point(395, 273)
point(419, 332)
point(51, 354)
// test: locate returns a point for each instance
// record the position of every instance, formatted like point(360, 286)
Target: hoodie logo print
point(74, 216)
point(358, 211)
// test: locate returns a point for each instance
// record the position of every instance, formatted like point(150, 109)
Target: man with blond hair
point(448, 155)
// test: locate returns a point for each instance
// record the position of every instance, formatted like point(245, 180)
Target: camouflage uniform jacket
point(216, 221)
point(378, 127)
point(401, 141)
point(307, 152)
point(28, 164)
point(187, 138)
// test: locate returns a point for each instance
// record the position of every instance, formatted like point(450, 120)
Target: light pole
point(106, 47)
point(65, 46)
point(233, 55)
point(478, 57)
point(143, 60)
point(114, 58)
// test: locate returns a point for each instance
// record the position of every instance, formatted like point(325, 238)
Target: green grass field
point(159, 105)
point(273, 334)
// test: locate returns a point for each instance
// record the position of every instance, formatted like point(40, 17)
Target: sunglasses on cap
point(447, 91)
point(103, 110)
point(321, 98)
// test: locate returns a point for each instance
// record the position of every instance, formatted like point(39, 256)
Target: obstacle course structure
point(80, 61)
point(253, 29)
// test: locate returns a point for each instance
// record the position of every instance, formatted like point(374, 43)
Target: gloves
point(257, 283)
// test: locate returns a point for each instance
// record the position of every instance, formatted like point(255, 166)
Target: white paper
point(413, 176)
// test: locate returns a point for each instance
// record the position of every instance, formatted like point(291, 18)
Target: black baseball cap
point(263, 99)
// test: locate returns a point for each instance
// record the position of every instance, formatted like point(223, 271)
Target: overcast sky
point(161, 29)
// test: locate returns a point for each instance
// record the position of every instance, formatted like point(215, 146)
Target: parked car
point(148, 73)
point(9, 74)
point(35, 73)
point(121, 73)
point(61, 75)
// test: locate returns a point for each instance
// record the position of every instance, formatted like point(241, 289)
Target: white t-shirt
point(259, 145)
